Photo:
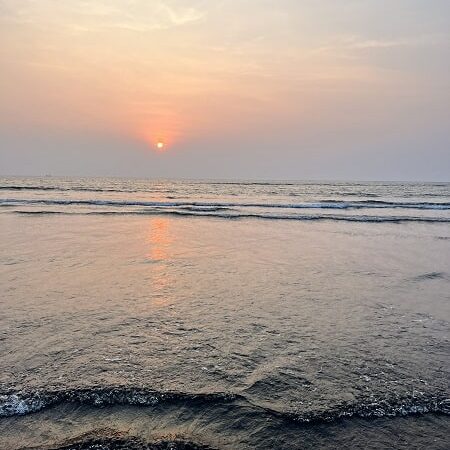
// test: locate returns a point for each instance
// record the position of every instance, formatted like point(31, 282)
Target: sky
point(235, 89)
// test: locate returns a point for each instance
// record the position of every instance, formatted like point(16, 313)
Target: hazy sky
point(277, 89)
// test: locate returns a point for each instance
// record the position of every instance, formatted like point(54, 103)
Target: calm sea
point(246, 315)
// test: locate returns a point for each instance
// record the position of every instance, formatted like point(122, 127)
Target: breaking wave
point(236, 216)
point(24, 403)
point(21, 403)
point(323, 204)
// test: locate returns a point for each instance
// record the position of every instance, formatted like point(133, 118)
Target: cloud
point(133, 15)
point(181, 16)
point(345, 43)
point(364, 44)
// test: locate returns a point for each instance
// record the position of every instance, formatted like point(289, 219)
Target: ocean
point(143, 314)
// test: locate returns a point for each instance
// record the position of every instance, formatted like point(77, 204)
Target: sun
point(160, 145)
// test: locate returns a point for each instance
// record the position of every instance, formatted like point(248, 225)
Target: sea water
point(243, 315)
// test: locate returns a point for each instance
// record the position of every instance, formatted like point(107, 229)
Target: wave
point(432, 276)
point(22, 403)
point(113, 439)
point(200, 183)
point(238, 216)
point(13, 404)
point(376, 408)
point(323, 204)
point(64, 189)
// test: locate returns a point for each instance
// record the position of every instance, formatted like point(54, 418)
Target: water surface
point(225, 315)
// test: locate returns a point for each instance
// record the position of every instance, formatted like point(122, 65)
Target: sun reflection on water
point(160, 239)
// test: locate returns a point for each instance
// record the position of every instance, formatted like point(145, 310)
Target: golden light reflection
point(160, 239)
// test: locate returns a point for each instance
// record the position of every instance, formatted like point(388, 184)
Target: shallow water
point(130, 312)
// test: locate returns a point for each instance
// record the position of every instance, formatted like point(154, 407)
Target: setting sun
point(160, 145)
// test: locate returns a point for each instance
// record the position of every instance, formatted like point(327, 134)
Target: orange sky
point(214, 74)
